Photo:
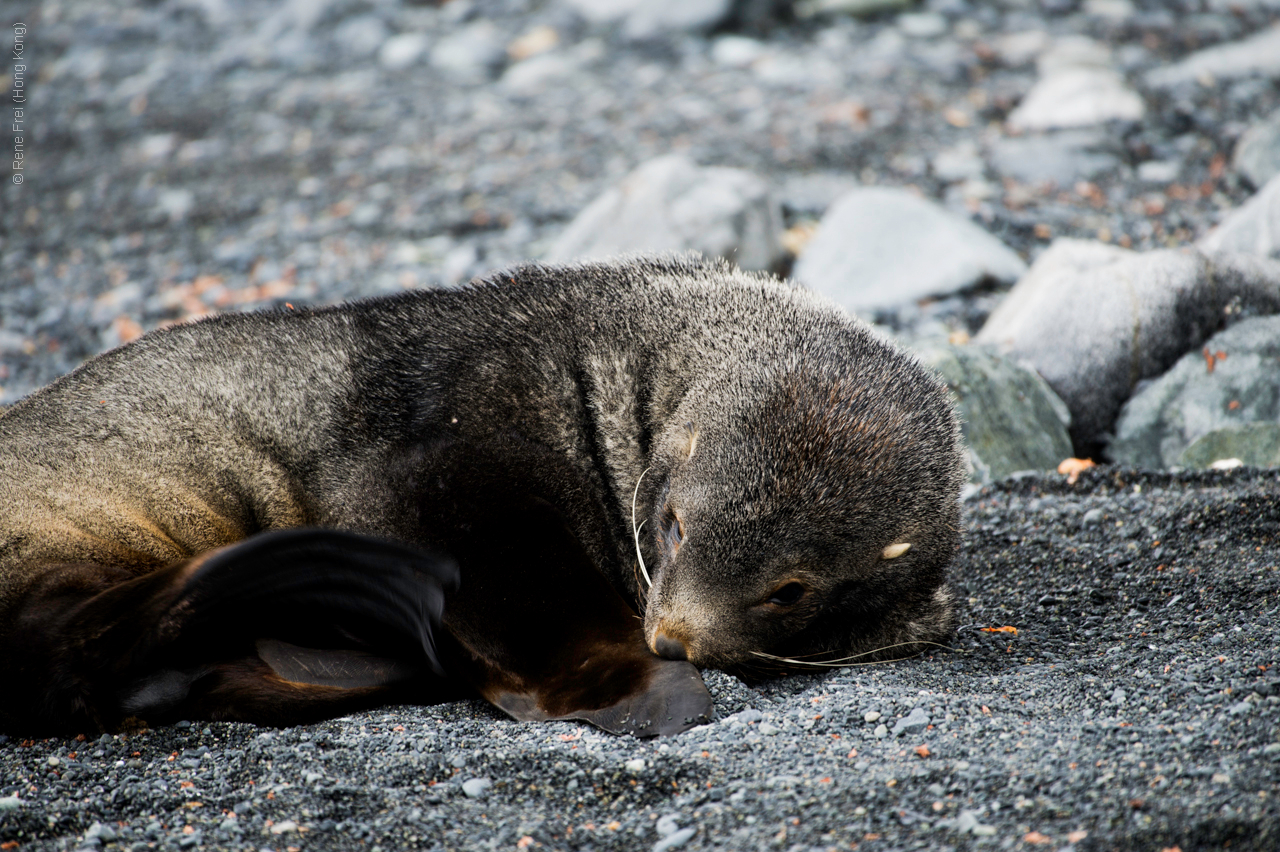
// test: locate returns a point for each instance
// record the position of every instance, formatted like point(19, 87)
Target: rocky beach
point(1069, 208)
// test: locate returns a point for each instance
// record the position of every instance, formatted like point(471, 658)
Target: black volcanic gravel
point(1135, 708)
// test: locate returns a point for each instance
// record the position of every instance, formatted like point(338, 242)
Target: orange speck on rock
point(923, 750)
point(1036, 838)
point(1005, 629)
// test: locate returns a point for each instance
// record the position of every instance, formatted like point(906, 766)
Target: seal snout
point(666, 646)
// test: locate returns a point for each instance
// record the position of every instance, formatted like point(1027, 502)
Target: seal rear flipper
point(251, 690)
point(91, 645)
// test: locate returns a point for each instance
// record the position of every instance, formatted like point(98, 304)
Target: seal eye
point(674, 534)
point(787, 595)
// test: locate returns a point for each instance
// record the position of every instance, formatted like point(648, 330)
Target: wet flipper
point(98, 644)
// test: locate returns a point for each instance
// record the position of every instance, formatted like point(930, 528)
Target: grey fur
point(817, 445)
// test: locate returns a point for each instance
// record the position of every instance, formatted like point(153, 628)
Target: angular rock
point(1194, 415)
point(1253, 228)
point(1011, 419)
point(1256, 55)
point(670, 204)
point(878, 247)
point(1257, 154)
point(913, 723)
point(1077, 88)
point(1094, 320)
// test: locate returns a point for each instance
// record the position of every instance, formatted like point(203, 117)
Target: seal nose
point(672, 649)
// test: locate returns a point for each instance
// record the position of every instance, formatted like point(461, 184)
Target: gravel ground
point(1135, 707)
point(188, 157)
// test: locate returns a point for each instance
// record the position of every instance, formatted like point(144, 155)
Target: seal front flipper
point(543, 636)
point(91, 645)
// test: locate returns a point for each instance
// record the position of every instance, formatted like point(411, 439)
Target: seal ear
point(98, 644)
point(692, 432)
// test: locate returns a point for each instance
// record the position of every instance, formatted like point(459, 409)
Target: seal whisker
point(844, 662)
point(635, 530)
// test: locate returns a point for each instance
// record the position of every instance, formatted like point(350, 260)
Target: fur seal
point(560, 487)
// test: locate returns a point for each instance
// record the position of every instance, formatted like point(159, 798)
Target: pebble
point(284, 827)
point(913, 723)
point(750, 715)
point(477, 788)
point(635, 766)
point(403, 51)
point(674, 840)
point(871, 716)
point(667, 824)
point(923, 24)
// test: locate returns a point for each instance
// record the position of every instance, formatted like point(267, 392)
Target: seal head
point(808, 518)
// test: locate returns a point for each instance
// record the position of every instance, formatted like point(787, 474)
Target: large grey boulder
point(670, 204)
point(1253, 228)
point(1223, 404)
point(879, 247)
point(1011, 419)
point(1094, 320)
